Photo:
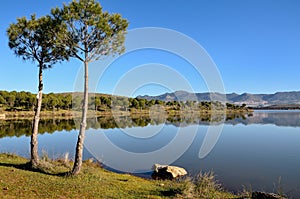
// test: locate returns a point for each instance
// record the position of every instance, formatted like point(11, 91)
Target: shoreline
point(4, 115)
point(51, 180)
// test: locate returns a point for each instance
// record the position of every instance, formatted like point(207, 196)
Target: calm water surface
point(259, 152)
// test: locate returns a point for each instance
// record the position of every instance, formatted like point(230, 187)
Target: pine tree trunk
point(81, 136)
point(34, 141)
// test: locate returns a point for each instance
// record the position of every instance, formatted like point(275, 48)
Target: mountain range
point(254, 100)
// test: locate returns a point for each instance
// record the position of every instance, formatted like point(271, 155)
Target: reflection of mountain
point(278, 118)
point(23, 127)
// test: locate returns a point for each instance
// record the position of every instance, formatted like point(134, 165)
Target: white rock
point(168, 172)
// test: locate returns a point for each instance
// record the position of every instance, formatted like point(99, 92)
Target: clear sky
point(254, 43)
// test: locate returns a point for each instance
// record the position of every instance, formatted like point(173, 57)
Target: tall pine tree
point(92, 34)
point(36, 40)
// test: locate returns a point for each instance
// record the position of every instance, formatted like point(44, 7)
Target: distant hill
point(254, 100)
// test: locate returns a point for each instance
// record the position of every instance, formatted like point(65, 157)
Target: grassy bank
point(50, 181)
point(133, 113)
point(70, 113)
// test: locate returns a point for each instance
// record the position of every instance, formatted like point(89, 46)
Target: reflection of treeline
point(26, 101)
point(23, 127)
point(10, 128)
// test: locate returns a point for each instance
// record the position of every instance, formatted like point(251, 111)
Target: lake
point(259, 151)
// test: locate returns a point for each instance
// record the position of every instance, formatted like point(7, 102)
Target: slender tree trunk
point(34, 141)
point(81, 136)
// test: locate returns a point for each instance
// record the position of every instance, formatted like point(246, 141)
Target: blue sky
point(255, 44)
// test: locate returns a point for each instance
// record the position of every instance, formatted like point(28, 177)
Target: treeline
point(26, 101)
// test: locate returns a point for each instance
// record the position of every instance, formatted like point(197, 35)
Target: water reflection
point(276, 117)
point(14, 127)
point(254, 150)
point(11, 128)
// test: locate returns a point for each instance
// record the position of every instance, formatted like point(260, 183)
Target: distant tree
point(11, 100)
point(45, 102)
point(142, 103)
point(169, 103)
point(31, 101)
point(61, 101)
point(92, 34)
point(106, 101)
point(67, 102)
point(91, 103)
point(25, 100)
point(97, 103)
point(33, 39)
point(124, 103)
point(151, 103)
point(229, 106)
point(159, 102)
point(77, 102)
point(53, 101)
point(189, 104)
point(2, 100)
point(3, 95)
point(134, 103)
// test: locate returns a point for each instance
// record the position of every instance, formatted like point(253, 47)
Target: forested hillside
point(26, 101)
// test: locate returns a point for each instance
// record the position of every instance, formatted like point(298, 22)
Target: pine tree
point(92, 35)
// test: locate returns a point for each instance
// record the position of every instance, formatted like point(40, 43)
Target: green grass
point(108, 112)
point(51, 181)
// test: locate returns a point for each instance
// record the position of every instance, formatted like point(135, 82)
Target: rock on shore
point(166, 172)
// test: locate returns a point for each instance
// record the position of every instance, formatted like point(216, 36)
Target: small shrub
point(45, 156)
point(205, 185)
point(188, 188)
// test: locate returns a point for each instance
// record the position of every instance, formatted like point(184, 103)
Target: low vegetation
point(69, 104)
point(52, 181)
